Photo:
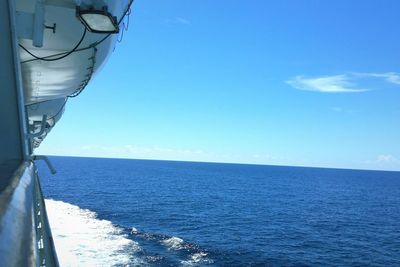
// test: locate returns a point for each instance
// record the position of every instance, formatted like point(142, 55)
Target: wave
point(81, 239)
point(199, 258)
point(191, 254)
point(173, 243)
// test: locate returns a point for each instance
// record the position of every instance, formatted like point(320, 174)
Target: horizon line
point(235, 163)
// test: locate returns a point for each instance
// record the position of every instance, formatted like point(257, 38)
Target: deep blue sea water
point(183, 213)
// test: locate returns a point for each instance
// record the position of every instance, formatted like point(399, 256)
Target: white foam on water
point(81, 239)
point(196, 259)
point(173, 243)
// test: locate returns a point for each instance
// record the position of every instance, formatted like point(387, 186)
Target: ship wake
point(81, 239)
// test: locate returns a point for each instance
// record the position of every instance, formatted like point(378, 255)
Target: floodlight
point(98, 21)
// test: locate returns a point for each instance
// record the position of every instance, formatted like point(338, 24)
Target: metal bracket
point(31, 26)
point(51, 28)
point(42, 128)
point(48, 163)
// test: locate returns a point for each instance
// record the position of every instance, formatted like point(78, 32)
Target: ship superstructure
point(49, 50)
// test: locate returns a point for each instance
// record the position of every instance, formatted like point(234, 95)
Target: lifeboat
point(62, 45)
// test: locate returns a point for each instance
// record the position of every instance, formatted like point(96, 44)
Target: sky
point(300, 83)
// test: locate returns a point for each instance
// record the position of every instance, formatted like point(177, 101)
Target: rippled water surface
point(106, 212)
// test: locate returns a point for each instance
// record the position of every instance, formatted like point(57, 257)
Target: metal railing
point(47, 254)
point(25, 236)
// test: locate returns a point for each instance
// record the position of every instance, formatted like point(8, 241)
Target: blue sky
point(310, 83)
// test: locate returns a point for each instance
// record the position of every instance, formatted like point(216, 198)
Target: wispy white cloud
point(387, 159)
point(384, 162)
point(390, 77)
point(178, 20)
point(182, 20)
point(325, 84)
point(345, 110)
point(344, 83)
point(132, 151)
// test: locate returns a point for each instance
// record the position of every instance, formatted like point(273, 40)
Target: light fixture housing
point(98, 21)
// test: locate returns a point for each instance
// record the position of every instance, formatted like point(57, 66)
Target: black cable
point(59, 54)
point(58, 58)
point(36, 103)
point(127, 23)
point(124, 28)
point(121, 36)
point(128, 9)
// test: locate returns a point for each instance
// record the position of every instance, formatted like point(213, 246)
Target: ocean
point(120, 212)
